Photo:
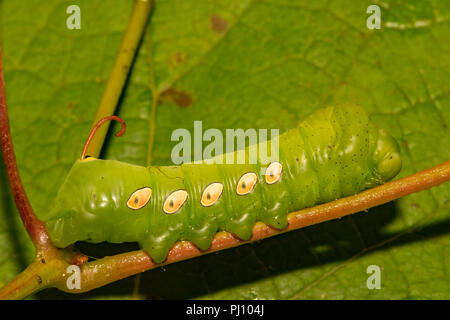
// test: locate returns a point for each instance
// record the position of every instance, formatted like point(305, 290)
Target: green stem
point(27, 282)
point(45, 271)
point(119, 74)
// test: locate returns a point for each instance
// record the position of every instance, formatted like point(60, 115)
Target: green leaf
point(240, 64)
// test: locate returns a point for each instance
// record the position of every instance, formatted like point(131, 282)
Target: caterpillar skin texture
point(335, 152)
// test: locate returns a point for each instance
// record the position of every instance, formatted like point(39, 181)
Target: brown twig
point(39, 274)
point(33, 225)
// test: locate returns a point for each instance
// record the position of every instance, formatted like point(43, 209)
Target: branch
point(119, 74)
point(35, 228)
point(109, 269)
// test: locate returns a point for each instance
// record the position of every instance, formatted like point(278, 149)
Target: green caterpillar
point(334, 153)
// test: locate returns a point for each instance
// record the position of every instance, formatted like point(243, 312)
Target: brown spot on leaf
point(177, 96)
point(177, 59)
point(218, 24)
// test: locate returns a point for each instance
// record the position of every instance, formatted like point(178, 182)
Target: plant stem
point(119, 74)
point(35, 228)
point(27, 282)
point(37, 276)
point(109, 269)
point(45, 269)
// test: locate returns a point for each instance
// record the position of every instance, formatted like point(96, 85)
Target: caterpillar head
point(386, 157)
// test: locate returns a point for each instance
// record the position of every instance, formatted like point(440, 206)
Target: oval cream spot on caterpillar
point(211, 194)
point(246, 183)
point(175, 201)
point(139, 198)
point(273, 172)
